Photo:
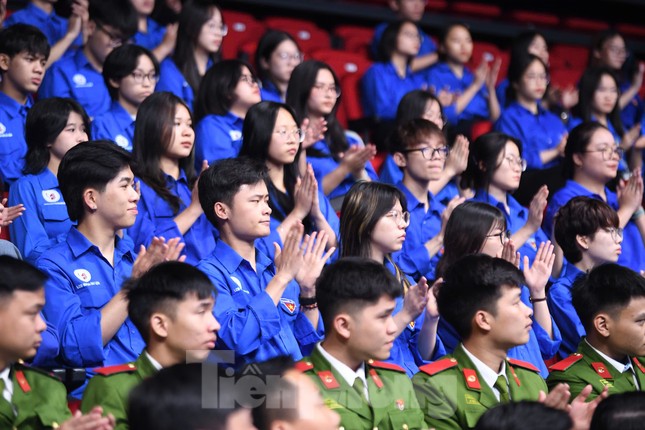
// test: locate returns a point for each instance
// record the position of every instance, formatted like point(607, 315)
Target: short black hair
point(121, 62)
point(118, 14)
point(353, 282)
point(89, 165)
point(622, 411)
point(484, 159)
point(512, 416)
point(161, 288)
point(20, 37)
point(279, 402)
point(223, 179)
point(412, 132)
point(18, 275)
point(473, 283)
point(387, 44)
point(606, 288)
point(577, 143)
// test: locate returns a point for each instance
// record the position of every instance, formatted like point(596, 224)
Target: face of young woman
point(210, 36)
point(493, 242)
point(458, 45)
point(606, 96)
point(432, 113)
point(247, 91)
point(73, 134)
point(183, 135)
point(408, 40)
point(509, 171)
point(138, 85)
point(284, 139)
point(592, 162)
point(322, 98)
point(283, 60)
point(613, 53)
point(389, 231)
point(532, 84)
point(604, 246)
point(143, 7)
point(539, 48)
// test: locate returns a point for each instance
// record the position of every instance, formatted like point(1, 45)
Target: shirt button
point(405, 427)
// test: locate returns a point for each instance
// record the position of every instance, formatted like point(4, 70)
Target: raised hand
point(509, 253)
point(491, 78)
point(315, 259)
point(290, 259)
point(8, 214)
point(538, 274)
point(303, 194)
point(581, 411)
point(93, 420)
point(536, 208)
point(558, 397)
point(314, 131)
point(158, 251)
point(630, 193)
point(416, 300)
point(356, 157)
point(458, 159)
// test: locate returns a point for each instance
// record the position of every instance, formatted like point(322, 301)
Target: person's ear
point(264, 64)
point(394, 5)
point(583, 241)
point(159, 324)
point(483, 320)
point(577, 159)
point(400, 159)
point(90, 28)
point(90, 197)
point(602, 324)
point(343, 325)
point(481, 166)
point(114, 83)
point(222, 211)
point(5, 61)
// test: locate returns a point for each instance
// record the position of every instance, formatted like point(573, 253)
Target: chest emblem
point(83, 275)
point(289, 304)
point(51, 196)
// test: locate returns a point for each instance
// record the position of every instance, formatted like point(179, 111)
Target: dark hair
point(581, 216)
point(516, 69)
point(598, 43)
point(20, 37)
point(587, 86)
point(216, 92)
point(161, 289)
point(350, 284)
point(521, 43)
point(18, 275)
point(464, 292)
point(443, 36)
point(223, 179)
point(466, 231)
point(90, 165)
point(388, 43)
point(118, 14)
point(121, 62)
point(609, 288)
point(193, 16)
point(153, 134)
point(513, 416)
point(46, 120)
point(411, 133)
point(484, 159)
point(301, 83)
point(279, 400)
point(577, 143)
point(621, 411)
point(413, 105)
point(267, 45)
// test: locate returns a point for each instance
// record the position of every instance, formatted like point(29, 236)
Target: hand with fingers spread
point(509, 253)
point(355, 158)
point(558, 397)
point(8, 214)
point(457, 160)
point(314, 131)
point(415, 301)
point(537, 207)
point(538, 274)
point(303, 194)
point(315, 259)
point(158, 251)
point(93, 420)
point(290, 259)
point(630, 194)
point(581, 411)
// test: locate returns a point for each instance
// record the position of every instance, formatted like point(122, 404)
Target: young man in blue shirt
point(79, 76)
point(85, 300)
point(263, 312)
point(23, 55)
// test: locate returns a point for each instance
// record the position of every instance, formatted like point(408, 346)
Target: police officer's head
point(623, 411)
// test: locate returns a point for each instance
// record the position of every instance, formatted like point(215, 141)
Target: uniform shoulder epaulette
point(21, 365)
point(304, 366)
point(563, 365)
point(523, 365)
point(386, 366)
point(438, 366)
point(119, 368)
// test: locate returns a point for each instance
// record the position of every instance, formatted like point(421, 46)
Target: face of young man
point(373, 330)
point(23, 73)
point(20, 325)
point(249, 215)
point(511, 324)
point(627, 330)
point(116, 205)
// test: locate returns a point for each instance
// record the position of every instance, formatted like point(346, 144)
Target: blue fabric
point(171, 79)
point(536, 132)
point(633, 249)
point(49, 347)
point(440, 77)
point(517, 218)
point(383, 89)
point(325, 165)
point(500, 90)
point(269, 92)
point(413, 258)
point(153, 37)
point(156, 218)
point(217, 137)
point(12, 137)
point(45, 221)
point(76, 78)
point(427, 44)
point(252, 325)
point(633, 111)
point(116, 125)
point(563, 312)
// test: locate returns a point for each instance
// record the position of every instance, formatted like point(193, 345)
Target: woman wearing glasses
point(373, 225)
point(272, 135)
point(477, 227)
point(225, 95)
point(588, 232)
point(494, 171)
point(276, 57)
point(340, 158)
point(169, 204)
point(591, 162)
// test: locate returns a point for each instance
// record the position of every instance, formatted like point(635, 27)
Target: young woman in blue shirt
point(276, 57)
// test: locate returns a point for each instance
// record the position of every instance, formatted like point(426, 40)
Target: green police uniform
point(39, 401)
point(110, 387)
point(453, 395)
point(586, 367)
point(392, 403)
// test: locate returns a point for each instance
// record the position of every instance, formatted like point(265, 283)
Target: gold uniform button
point(55, 425)
point(375, 428)
point(453, 360)
point(341, 428)
point(131, 366)
point(405, 427)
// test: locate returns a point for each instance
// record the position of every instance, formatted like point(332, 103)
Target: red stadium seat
point(479, 48)
point(479, 128)
point(582, 24)
point(377, 161)
point(631, 30)
point(436, 5)
point(352, 97)
point(242, 28)
point(289, 24)
point(476, 9)
point(535, 18)
point(306, 33)
point(564, 78)
point(247, 52)
point(354, 38)
point(572, 56)
point(343, 63)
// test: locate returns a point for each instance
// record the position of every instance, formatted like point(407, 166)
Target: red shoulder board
point(376, 378)
point(22, 381)
point(472, 381)
point(303, 366)
point(111, 370)
point(438, 366)
point(563, 365)
point(386, 366)
point(328, 379)
point(601, 370)
point(523, 365)
point(638, 364)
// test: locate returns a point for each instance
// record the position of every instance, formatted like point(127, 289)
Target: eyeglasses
point(140, 77)
point(222, 29)
point(327, 88)
point(285, 57)
point(609, 151)
point(429, 152)
point(250, 80)
point(616, 233)
point(115, 39)
point(399, 216)
point(415, 36)
point(538, 78)
point(298, 133)
point(515, 161)
point(504, 236)
point(618, 50)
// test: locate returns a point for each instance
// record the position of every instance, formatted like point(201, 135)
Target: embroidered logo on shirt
point(235, 134)
point(3, 131)
point(81, 81)
point(83, 275)
point(289, 304)
point(51, 196)
point(236, 282)
point(122, 141)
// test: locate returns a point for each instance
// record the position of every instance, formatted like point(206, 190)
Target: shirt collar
point(12, 108)
point(413, 202)
point(82, 62)
point(38, 12)
point(47, 179)
point(621, 367)
point(488, 375)
point(120, 112)
point(231, 260)
point(154, 362)
point(231, 118)
point(5, 375)
point(345, 371)
point(79, 245)
point(519, 107)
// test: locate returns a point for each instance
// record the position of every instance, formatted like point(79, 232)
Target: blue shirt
point(536, 132)
point(633, 111)
point(633, 249)
point(81, 282)
point(383, 89)
point(269, 92)
point(171, 79)
point(156, 218)
point(515, 220)
point(152, 37)
point(563, 312)
point(427, 44)
point(440, 77)
point(12, 137)
point(116, 125)
point(217, 137)
point(413, 258)
point(76, 78)
point(45, 221)
point(49, 347)
point(252, 325)
point(500, 90)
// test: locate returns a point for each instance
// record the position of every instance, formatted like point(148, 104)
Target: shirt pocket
point(55, 213)
point(162, 210)
point(94, 297)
